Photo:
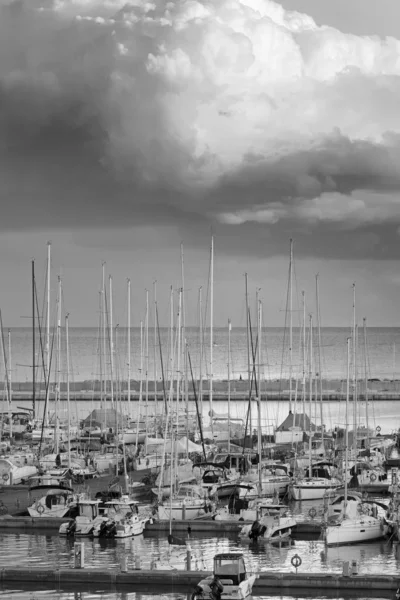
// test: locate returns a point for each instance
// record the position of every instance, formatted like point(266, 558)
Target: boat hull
point(353, 531)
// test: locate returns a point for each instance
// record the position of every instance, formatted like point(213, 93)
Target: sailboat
point(356, 522)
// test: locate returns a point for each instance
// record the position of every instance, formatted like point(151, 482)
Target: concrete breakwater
point(333, 389)
point(168, 580)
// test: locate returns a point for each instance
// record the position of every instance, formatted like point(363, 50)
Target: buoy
point(372, 477)
point(296, 561)
point(40, 509)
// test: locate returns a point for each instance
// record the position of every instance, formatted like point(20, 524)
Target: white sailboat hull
point(314, 489)
point(351, 531)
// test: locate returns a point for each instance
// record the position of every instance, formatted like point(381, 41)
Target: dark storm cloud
point(114, 115)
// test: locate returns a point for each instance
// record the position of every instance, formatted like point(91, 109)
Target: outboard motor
point(71, 528)
point(103, 529)
point(257, 530)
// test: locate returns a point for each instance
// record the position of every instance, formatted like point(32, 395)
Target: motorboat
point(229, 580)
point(268, 526)
point(122, 521)
point(86, 520)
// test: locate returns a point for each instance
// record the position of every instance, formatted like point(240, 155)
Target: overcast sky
point(127, 129)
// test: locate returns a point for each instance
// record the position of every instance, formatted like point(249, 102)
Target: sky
point(132, 132)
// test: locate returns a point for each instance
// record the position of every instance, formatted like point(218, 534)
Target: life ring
point(40, 509)
point(378, 429)
point(372, 477)
point(5, 476)
point(296, 560)
point(312, 513)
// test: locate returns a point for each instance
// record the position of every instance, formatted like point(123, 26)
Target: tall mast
point(354, 374)
point(201, 355)
point(58, 373)
point(33, 344)
point(140, 387)
point(185, 354)
point(211, 329)
point(146, 333)
point(319, 379)
point(304, 354)
point(248, 348)
point(155, 347)
point(311, 387)
point(178, 371)
point(346, 443)
point(45, 416)
point(9, 384)
point(366, 379)
point(129, 348)
point(103, 338)
point(111, 342)
point(229, 384)
point(290, 324)
point(68, 394)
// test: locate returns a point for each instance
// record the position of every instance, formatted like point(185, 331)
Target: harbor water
point(36, 550)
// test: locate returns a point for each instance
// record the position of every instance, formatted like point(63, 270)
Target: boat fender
point(372, 477)
point(312, 512)
point(40, 508)
point(263, 530)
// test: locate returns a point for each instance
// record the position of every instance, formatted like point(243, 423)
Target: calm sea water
point(52, 551)
point(86, 347)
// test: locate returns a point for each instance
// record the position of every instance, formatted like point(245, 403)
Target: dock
point(195, 526)
point(173, 580)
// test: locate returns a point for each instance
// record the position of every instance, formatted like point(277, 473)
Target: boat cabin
point(121, 507)
point(88, 509)
point(230, 568)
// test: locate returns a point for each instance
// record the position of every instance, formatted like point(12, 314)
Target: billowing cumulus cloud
point(235, 113)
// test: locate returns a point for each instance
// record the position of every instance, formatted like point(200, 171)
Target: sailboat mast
point(129, 348)
point(33, 344)
point(9, 384)
point(185, 354)
point(319, 360)
point(58, 372)
point(311, 387)
point(354, 373)
point(140, 388)
point(111, 334)
point(211, 330)
point(47, 376)
point(248, 351)
point(201, 355)
point(290, 325)
point(304, 354)
point(346, 443)
point(103, 384)
point(68, 391)
point(178, 371)
point(229, 384)
point(155, 347)
point(366, 379)
point(146, 341)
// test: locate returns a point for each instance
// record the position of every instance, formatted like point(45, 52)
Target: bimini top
point(228, 556)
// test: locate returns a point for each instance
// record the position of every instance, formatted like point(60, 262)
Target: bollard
point(79, 555)
point(354, 567)
point(124, 564)
point(188, 560)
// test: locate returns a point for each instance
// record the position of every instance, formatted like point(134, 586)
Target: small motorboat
point(228, 581)
point(122, 519)
point(269, 525)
